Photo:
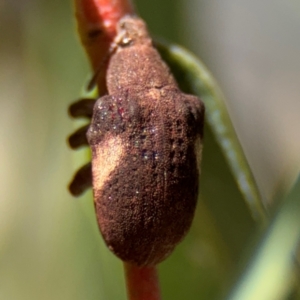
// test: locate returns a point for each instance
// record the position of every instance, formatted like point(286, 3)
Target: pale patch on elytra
point(106, 158)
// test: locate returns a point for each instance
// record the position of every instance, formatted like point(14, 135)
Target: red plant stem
point(142, 283)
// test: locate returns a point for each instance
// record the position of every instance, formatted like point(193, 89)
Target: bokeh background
point(49, 242)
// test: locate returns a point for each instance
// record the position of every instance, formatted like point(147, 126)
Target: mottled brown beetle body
point(146, 138)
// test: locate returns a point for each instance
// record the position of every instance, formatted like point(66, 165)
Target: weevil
point(146, 138)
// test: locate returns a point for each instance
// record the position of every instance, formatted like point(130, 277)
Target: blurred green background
point(50, 247)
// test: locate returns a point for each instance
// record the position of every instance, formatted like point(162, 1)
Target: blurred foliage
point(50, 247)
point(272, 271)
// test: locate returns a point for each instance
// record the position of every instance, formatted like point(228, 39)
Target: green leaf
point(270, 271)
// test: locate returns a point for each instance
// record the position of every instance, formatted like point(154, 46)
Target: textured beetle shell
point(146, 139)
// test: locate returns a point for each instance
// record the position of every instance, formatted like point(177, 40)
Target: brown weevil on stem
point(146, 140)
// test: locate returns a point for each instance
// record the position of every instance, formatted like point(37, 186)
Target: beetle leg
point(78, 138)
point(81, 181)
point(82, 108)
